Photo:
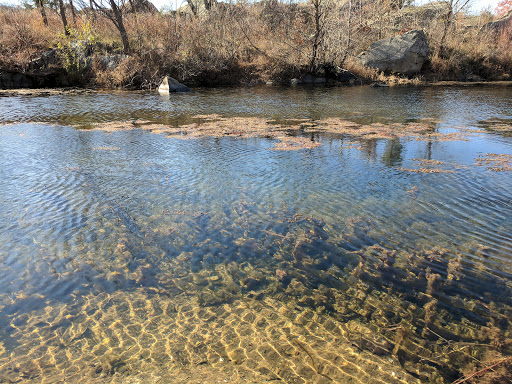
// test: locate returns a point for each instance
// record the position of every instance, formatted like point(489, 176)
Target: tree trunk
point(192, 6)
point(40, 5)
point(118, 21)
point(349, 33)
point(447, 24)
point(73, 13)
point(63, 16)
point(317, 4)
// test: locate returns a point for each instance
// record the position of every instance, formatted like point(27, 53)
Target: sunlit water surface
point(134, 256)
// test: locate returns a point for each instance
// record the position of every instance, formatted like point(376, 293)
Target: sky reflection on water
point(131, 254)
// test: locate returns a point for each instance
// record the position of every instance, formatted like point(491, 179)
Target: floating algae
point(291, 134)
point(495, 162)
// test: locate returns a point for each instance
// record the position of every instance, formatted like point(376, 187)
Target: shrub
point(75, 50)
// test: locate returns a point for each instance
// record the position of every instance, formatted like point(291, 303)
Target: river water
point(132, 256)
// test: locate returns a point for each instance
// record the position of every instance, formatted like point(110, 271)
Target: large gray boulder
point(139, 6)
point(403, 54)
point(80, 52)
point(169, 84)
point(500, 25)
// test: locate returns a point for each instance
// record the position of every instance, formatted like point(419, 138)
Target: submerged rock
point(403, 54)
point(172, 85)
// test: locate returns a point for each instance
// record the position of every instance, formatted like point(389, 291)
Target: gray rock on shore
point(404, 54)
point(169, 85)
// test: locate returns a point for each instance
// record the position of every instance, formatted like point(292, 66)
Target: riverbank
point(241, 45)
point(45, 92)
point(38, 92)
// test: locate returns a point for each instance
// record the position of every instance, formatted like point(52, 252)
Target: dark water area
point(131, 256)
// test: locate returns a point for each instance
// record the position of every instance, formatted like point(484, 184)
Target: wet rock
point(172, 85)
point(346, 77)
point(403, 54)
point(15, 80)
point(310, 79)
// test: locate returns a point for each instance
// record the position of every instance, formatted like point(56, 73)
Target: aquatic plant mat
point(238, 293)
point(304, 316)
point(295, 134)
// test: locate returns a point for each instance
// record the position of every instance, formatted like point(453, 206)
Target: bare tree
point(454, 7)
point(73, 13)
point(113, 11)
point(319, 12)
point(349, 33)
point(63, 17)
point(192, 6)
point(208, 4)
point(40, 5)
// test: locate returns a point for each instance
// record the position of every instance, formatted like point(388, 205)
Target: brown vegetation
point(297, 134)
point(495, 162)
point(233, 44)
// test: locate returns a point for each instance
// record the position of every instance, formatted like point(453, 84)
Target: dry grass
point(470, 50)
point(244, 44)
point(374, 75)
point(23, 34)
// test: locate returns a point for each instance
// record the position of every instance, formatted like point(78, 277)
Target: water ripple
point(349, 235)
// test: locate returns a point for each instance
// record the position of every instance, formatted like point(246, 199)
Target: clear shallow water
point(131, 254)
